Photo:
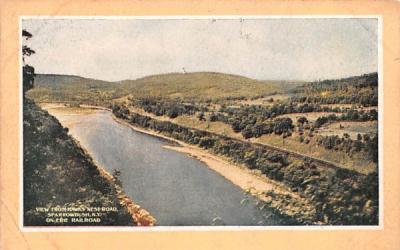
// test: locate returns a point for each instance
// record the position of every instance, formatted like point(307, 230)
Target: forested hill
point(58, 172)
point(357, 89)
point(188, 86)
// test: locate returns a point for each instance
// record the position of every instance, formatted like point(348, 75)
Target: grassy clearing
point(277, 98)
point(356, 162)
point(215, 127)
point(351, 128)
point(311, 116)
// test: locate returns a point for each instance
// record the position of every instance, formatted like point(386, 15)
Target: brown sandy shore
point(275, 194)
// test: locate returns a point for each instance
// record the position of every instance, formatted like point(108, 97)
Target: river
point(176, 189)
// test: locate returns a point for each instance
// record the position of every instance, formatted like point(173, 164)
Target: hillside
point(361, 90)
point(338, 119)
point(68, 88)
point(193, 86)
point(201, 85)
point(337, 196)
point(58, 172)
point(51, 80)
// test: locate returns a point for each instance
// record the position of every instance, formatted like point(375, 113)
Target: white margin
point(207, 228)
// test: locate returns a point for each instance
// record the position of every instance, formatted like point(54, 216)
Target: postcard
point(247, 140)
point(220, 123)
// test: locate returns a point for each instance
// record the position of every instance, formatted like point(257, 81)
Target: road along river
point(178, 190)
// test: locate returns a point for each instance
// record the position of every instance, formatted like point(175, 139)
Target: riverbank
point(138, 215)
point(274, 194)
point(141, 216)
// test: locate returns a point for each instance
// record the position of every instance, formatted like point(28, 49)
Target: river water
point(175, 188)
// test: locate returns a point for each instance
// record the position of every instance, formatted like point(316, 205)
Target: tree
point(302, 120)
point(372, 147)
point(283, 125)
point(321, 121)
point(236, 126)
point(28, 72)
point(247, 132)
point(173, 112)
point(201, 116)
point(213, 117)
point(366, 137)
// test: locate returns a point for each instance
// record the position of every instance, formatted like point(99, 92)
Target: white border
point(207, 228)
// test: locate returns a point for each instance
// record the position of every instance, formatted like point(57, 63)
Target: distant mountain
point(202, 85)
point(69, 88)
point(52, 80)
point(199, 85)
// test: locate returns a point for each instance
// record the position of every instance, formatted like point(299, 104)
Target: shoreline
point(139, 215)
point(277, 196)
point(216, 163)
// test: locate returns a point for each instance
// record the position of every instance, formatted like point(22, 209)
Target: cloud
point(110, 49)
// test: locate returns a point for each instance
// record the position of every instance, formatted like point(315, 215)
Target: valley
point(318, 139)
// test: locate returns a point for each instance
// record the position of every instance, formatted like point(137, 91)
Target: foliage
point(160, 107)
point(350, 115)
point(361, 90)
point(58, 172)
point(340, 196)
point(28, 72)
point(200, 86)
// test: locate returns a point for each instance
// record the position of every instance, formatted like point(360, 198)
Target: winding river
point(175, 188)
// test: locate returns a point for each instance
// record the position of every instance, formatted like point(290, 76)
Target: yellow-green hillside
point(196, 86)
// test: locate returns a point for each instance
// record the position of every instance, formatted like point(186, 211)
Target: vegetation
point(58, 172)
point(250, 110)
point(73, 89)
point(365, 144)
point(350, 115)
point(286, 119)
point(28, 71)
point(201, 86)
point(332, 191)
point(361, 90)
point(161, 107)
